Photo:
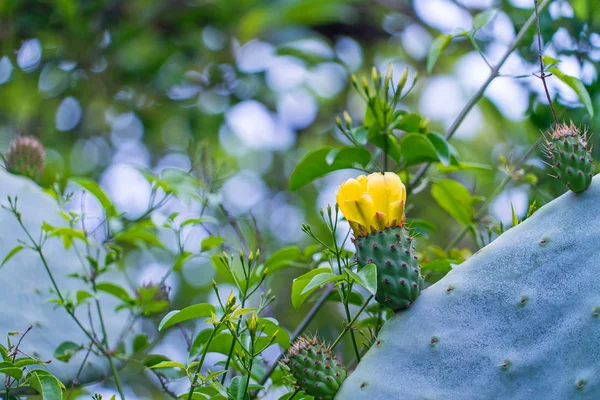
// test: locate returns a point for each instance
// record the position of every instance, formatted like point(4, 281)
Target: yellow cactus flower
point(373, 203)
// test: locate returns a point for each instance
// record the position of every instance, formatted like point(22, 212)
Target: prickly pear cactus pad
point(519, 320)
point(24, 286)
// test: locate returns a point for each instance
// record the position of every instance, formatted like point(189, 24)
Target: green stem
point(113, 368)
point(345, 298)
point(349, 326)
point(237, 330)
point(199, 367)
point(250, 363)
point(479, 94)
point(100, 347)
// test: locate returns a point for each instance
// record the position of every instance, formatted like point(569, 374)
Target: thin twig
point(477, 96)
point(543, 75)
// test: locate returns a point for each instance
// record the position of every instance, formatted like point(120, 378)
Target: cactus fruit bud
point(26, 157)
point(570, 158)
point(317, 372)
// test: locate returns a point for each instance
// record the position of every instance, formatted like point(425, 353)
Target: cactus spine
point(317, 372)
point(570, 158)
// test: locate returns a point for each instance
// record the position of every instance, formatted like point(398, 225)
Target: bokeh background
point(113, 86)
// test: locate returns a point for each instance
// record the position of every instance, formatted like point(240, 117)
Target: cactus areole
point(519, 320)
point(374, 207)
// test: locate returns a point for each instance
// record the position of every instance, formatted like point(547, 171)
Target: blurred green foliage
point(231, 106)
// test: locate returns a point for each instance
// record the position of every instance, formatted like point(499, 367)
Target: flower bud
point(26, 156)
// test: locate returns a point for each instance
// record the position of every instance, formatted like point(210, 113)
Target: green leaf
point(455, 199)
point(114, 290)
point(417, 148)
point(66, 350)
point(441, 146)
point(46, 385)
point(482, 19)
point(284, 258)
point(24, 362)
point(237, 388)
point(356, 299)
point(82, 295)
point(515, 219)
point(298, 297)
point(210, 243)
point(202, 220)
point(181, 260)
point(221, 343)
point(135, 236)
point(437, 47)
point(409, 123)
point(365, 277)
point(13, 372)
point(92, 187)
point(550, 61)
point(140, 342)
point(315, 165)
point(320, 280)
point(192, 312)
point(577, 86)
point(385, 142)
point(169, 364)
point(11, 254)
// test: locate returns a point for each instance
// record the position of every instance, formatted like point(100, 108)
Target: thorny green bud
point(338, 123)
point(329, 210)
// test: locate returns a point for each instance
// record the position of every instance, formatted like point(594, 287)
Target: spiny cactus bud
point(317, 372)
point(570, 157)
point(26, 157)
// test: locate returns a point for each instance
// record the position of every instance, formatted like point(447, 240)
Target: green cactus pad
point(570, 158)
point(521, 320)
point(317, 373)
point(25, 287)
point(399, 279)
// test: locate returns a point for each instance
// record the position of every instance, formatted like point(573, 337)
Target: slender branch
point(543, 75)
point(477, 96)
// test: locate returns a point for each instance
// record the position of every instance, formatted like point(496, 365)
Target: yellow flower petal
point(376, 188)
point(372, 203)
point(397, 212)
